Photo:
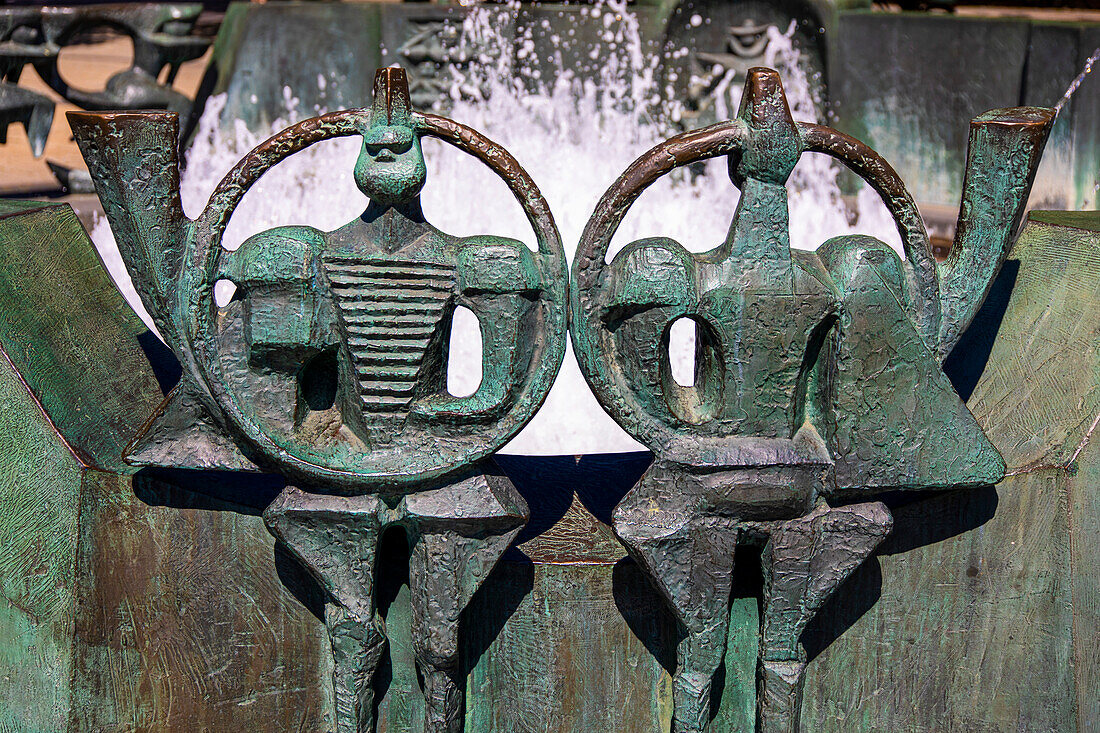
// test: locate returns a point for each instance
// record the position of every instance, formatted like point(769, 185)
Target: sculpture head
point(390, 169)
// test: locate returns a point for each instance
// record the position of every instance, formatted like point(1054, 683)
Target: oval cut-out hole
point(318, 381)
point(681, 351)
point(464, 354)
point(224, 290)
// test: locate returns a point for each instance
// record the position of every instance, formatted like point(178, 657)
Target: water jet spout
point(134, 161)
point(1092, 60)
point(1002, 157)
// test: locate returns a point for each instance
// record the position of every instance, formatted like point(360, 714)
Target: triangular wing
point(896, 422)
point(181, 434)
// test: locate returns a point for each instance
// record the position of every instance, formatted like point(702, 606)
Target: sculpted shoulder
point(488, 264)
point(651, 272)
point(284, 254)
point(845, 257)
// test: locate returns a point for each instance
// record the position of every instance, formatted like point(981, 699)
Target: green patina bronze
point(143, 602)
point(64, 422)
point(160, 602)
point(329, 367)
point(818, 378)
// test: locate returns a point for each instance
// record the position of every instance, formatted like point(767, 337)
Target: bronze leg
point(458, 532)
point(804, 561)
point(689, 556)
point(336, 539)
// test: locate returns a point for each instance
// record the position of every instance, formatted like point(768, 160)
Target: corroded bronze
point(818, 379)
point(329, 366)
point(161, 34)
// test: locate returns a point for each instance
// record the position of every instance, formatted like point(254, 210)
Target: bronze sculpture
point(329, 366)
point(818, 378)
point(21, 43)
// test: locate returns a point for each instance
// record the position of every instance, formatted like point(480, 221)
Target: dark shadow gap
point(166, 368)
point(233, 491)
point(966, 363)
point(391, 573)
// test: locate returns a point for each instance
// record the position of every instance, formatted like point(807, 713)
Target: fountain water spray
point(1077, 81)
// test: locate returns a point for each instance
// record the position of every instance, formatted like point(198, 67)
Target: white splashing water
point(574, 136)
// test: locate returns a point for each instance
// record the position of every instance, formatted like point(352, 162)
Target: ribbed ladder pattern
point(390, 310)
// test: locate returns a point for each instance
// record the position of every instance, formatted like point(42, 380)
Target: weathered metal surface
point(933, 70)
point(115, 590)
point(73, 382)
point(1051, 353)
point(62, 322)
point(21, 44)
point(189, 617)
point(33, 111)
point(978, 596)
point(930, 74)
point(161, 38)
point(39, 496)
point(795, 403)
point(944, 630)
point(517, 295)
point(329, 368)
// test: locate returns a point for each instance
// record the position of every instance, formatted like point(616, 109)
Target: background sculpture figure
point(818, 378)
point(21, 43)
point(329, 366)
point(35, 36)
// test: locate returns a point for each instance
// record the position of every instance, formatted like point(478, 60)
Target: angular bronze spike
point(391, 104)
